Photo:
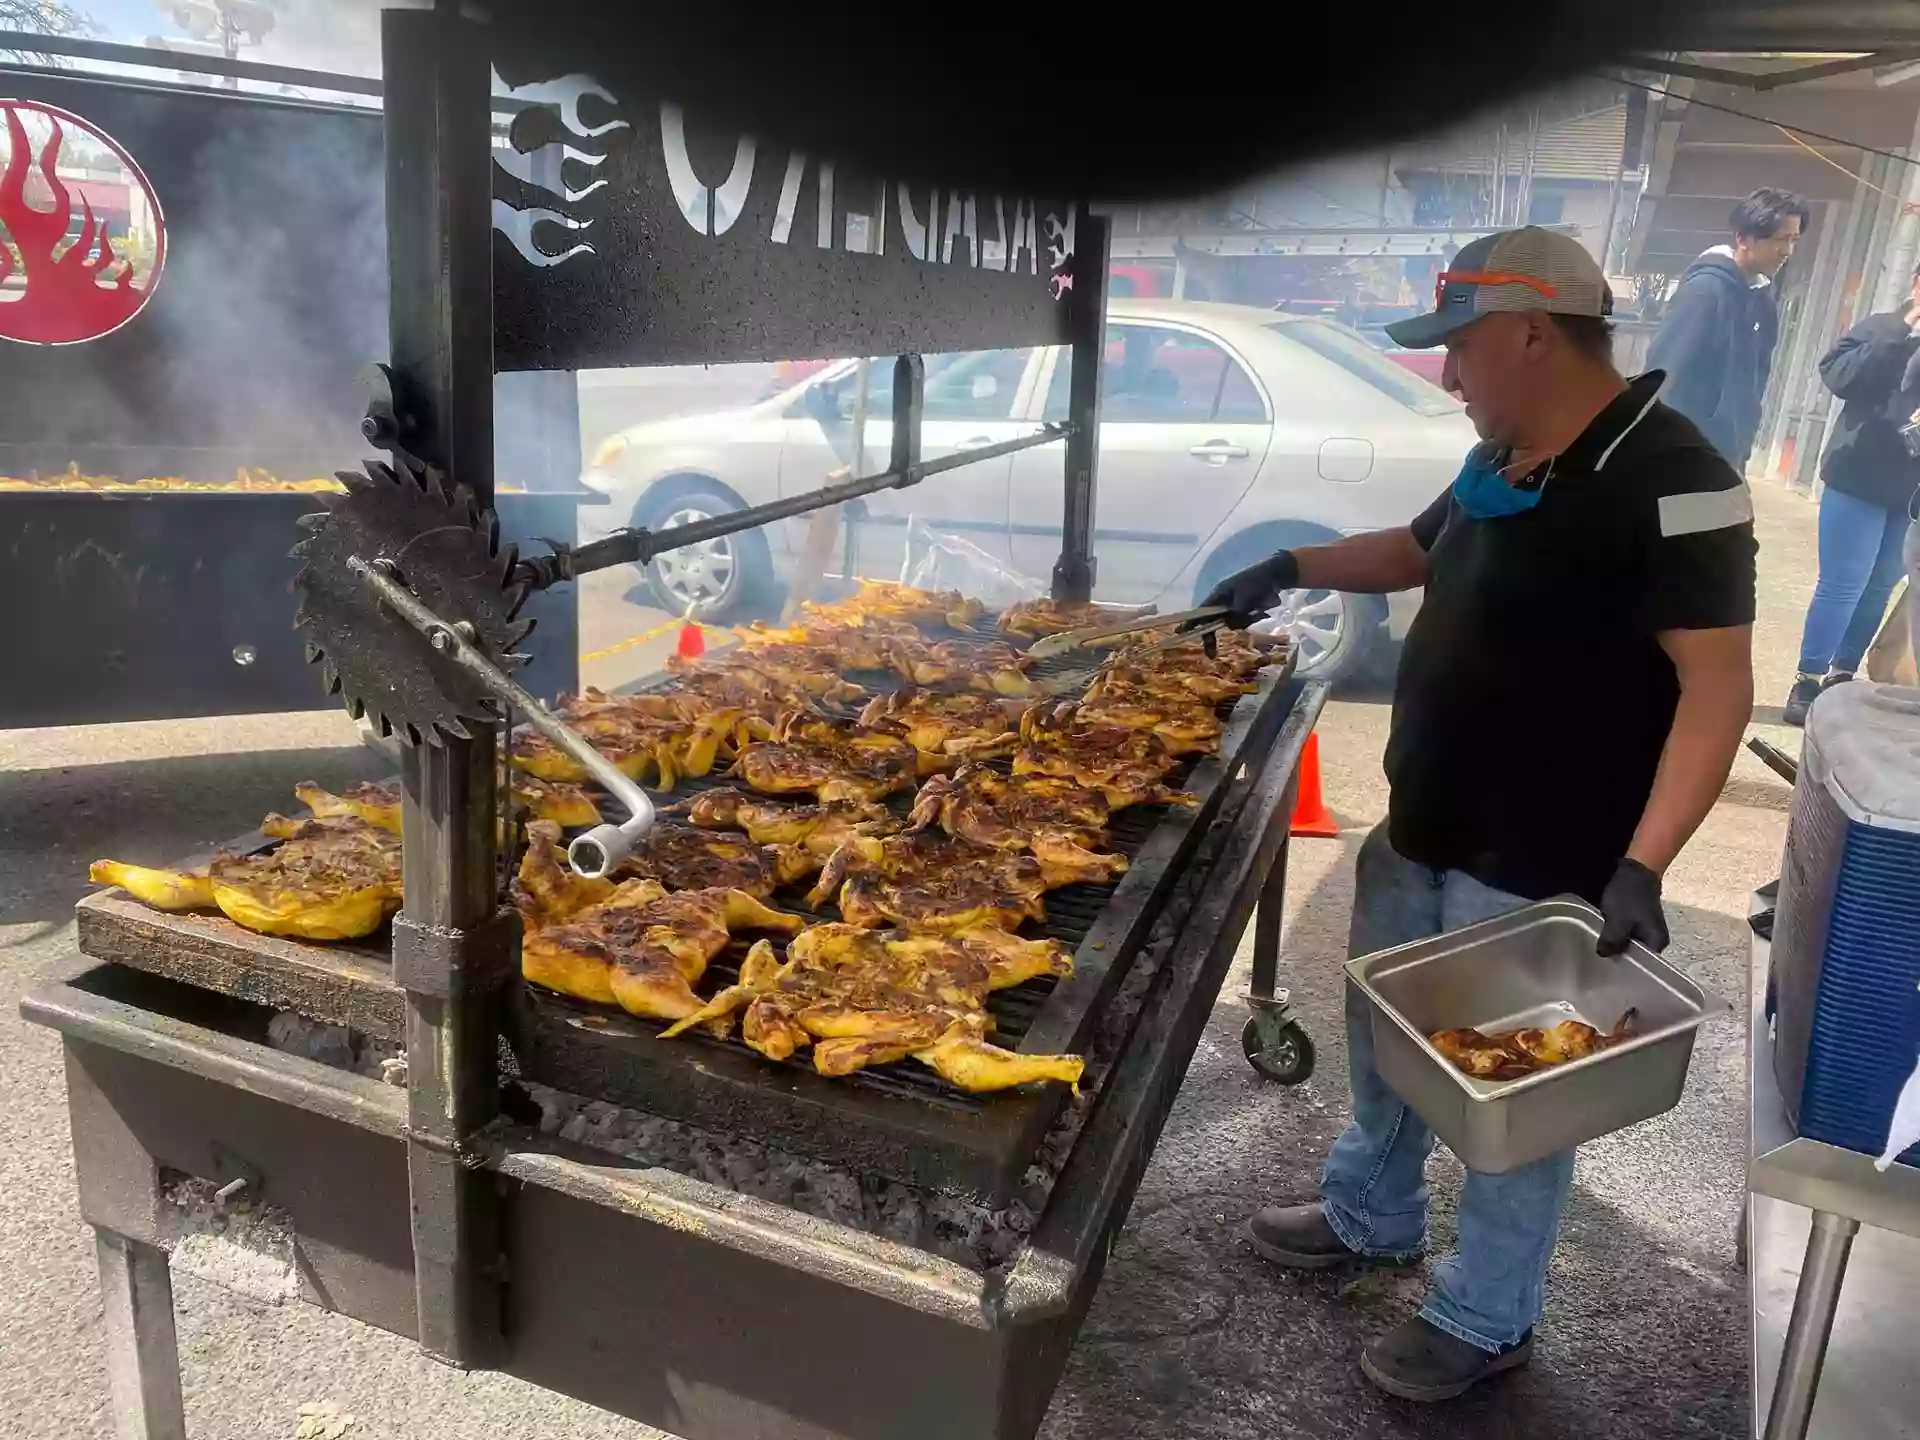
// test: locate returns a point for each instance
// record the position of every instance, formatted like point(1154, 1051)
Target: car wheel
point(1331, 630)
point(722, 577)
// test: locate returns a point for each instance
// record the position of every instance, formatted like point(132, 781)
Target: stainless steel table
point(1843, 1191)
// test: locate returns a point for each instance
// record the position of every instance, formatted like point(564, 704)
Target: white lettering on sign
point(711, 211)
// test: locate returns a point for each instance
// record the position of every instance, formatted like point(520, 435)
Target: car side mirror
point(985, 387)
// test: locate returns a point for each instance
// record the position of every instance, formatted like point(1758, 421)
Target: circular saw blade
point(447, 551)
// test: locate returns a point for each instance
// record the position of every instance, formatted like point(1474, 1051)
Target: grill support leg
point(440, 322)
point(143, 1356)
point(1814, 1302)
point(1266, 923)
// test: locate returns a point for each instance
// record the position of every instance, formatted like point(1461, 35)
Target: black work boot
point(1806, 688)
point(1833, 678)
point(1419, 1361)
point(1299, 1237)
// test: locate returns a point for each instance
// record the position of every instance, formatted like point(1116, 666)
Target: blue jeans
point(1374, 1182)
point(1860, 563)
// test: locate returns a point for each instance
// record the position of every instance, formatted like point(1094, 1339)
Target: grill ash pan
point(1533, 967)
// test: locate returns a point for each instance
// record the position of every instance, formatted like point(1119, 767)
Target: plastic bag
point(942, 560)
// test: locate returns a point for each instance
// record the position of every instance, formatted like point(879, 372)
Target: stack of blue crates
point(1846, 937)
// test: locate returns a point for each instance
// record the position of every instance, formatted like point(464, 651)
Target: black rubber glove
point(1250, 593)
point(1630, 909)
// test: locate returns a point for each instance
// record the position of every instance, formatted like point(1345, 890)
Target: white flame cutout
point(531, 168)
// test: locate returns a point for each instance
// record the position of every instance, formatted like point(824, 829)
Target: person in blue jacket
point(1717, 337)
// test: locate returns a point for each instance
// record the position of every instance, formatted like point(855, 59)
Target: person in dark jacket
point(1716, 340)
point(1871, 480)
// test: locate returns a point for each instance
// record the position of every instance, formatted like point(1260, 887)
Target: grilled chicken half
point(945, 728)
point(637, 743)
point(1158, 704)
point(378, 802)
point(1509, 1054)
point(635, 944)
point(835, 762)
point(682, 857)
point(989, 666)
point(1059, 823)
point(932, 883)
point(329, 879)
point(884, 600)
point(862, 997)
point(1125, 764)
point(1037, 619)
point(816, 830)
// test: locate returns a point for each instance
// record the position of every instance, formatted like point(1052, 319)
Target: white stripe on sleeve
point(1698, 510)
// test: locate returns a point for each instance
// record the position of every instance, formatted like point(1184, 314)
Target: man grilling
point(1568, 705)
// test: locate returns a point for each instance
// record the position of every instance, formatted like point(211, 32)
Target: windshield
point(1350, 351)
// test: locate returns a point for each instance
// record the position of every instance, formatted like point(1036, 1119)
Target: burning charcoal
point(1003, 1245)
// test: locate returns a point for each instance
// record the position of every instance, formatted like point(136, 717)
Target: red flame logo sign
point(67, 273)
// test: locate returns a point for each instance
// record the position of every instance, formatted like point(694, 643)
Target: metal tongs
point(1068, 640)
point(600, 849)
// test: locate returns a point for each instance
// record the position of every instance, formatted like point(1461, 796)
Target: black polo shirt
point(1533, 696)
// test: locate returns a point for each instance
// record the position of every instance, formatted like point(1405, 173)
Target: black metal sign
point(625, 234)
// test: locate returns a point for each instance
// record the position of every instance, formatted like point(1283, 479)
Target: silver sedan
point(1227, 432)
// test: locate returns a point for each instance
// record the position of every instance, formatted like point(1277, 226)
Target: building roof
point(1581, 147)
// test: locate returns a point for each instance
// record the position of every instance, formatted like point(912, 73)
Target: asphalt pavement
point(1191, 1335)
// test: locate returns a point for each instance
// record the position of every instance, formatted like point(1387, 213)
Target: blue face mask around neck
point(1483, 492)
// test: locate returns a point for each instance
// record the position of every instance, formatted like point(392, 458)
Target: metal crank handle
point(592, 855)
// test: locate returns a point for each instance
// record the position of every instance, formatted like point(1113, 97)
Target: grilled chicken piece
point(681, 857)
point(1481, 1056)
point(643, 947)
point(545, 890)
point(835, 762)
point(375, 802)
point(170, 890)
point(637, 743)
point(965, 1060)
point(1188, 679)
point(1037, 619)
point(329, 879)
point(944, 728)
point(989, 666)
point(1182, 722)
point(854, 645)
point(1124, 764)
point(862, 997)
point(932, 883)
point(1057, 822)
point(1236, 653)
point(810, 670)
point(378, 803)
point(561, 801)
point(884, 600)
point(813, 830)
point(1509, 1054)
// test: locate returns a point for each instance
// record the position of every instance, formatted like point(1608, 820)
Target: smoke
point(277, 295)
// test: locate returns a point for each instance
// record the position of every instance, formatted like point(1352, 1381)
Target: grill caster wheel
point(1286, 1056)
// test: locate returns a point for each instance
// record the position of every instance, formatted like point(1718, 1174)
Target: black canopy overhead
point(1063, 100)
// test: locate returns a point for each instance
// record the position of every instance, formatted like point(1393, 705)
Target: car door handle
point(974, 442)
point(1218, 452)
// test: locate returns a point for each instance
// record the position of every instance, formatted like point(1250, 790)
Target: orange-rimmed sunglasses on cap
point(1487, 277)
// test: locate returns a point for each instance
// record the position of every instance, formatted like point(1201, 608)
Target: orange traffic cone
point(1310, 813)
point(692, 643)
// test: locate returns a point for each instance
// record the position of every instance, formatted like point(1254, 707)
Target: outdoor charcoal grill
point(431, 1213)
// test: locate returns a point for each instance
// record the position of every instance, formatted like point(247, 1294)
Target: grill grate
point(1071, 913)
point(903, 1120)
